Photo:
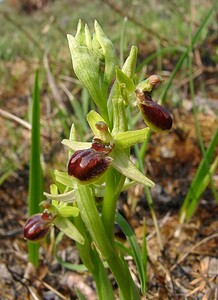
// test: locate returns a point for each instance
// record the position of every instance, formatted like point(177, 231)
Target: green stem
point(114, 180)
point(93, 263)
point(114, 185)
point(90, 217)
point(35, 195)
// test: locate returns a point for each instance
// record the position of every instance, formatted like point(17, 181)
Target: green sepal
point(88, 37)
point(123, 79)
point(125, 166)
point(74, 145)
point(67, 227)
point(68, 197)
point(130, 138)
point(63, 178)
point(97, 47)
point(68, 211)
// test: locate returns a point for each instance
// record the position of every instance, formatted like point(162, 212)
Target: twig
point(5, 114)
point(53, 290)
point(183, 256)
point(14, 118)
point(54, 89)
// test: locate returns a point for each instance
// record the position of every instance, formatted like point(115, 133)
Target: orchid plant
point(101, 168)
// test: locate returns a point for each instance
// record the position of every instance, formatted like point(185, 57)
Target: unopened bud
point(155, 116)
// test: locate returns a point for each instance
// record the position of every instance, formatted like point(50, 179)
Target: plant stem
point(35, 178)
point(90, 217)
point(114, 185)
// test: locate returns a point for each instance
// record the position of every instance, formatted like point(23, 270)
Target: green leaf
point(136, 252)
point(130, 138)
point(67, 227)
point(123, 164)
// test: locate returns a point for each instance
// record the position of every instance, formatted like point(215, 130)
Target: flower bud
point(149, 84)
point(88, 165)
point(37, 226)
point(108, 52)
point(155, 116)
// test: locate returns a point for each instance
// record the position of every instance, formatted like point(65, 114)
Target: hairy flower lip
point(156, 116)
point(37, 226)
point(88, 165)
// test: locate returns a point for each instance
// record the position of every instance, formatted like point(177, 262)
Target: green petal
point(68, 211)
point(68, 228)
point(130, 138)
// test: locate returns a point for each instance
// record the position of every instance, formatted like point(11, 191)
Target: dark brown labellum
point(37, 226)
point(88, 165)
point(155, 116)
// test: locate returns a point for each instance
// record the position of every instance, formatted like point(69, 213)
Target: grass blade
point(67, 265)
point(185, 54)
point(136, 252)
point(35, 176)
point(200, 180)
